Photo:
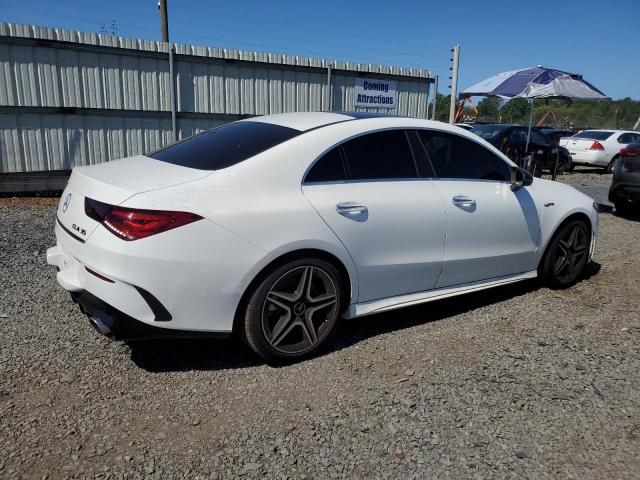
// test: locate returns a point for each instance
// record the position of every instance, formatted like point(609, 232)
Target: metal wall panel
point(49, 77)
point(37, 142)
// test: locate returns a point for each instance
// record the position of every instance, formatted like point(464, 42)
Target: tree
point(442, 107)
point(515, 111)
point(616, 114)
point(489, 108)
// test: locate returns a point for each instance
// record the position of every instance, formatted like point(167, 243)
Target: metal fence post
point(329, 102)
point(172, 94)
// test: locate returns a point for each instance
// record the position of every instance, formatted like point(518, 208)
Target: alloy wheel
point(571, 254)
point(299, 309)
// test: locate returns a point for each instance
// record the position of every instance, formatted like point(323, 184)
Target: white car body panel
point(499, 247)
point(258, 210)
point(400, 236)
point(580, 148)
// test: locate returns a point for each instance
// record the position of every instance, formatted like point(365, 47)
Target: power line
point(333, 32)
point(319, 42)
point(243, 18)
point(281, 49)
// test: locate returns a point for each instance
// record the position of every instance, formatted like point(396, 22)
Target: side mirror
point(520, 178)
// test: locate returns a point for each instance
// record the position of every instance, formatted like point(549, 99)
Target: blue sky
point(494, 35)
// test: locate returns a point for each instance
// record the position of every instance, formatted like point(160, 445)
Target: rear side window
point(225, 146)
point(329, 168)
point(379, 155)
point(453, 156)
point(627, 138)
point(593, 135)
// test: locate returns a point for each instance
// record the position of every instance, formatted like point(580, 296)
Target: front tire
point(566, 255)
point(293, 310)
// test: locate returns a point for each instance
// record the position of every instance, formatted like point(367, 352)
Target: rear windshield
point(593, 135)
point(225, 146)
point(488, 131)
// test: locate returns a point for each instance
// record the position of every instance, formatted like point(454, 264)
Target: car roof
point(305, 121)
point(607, 130)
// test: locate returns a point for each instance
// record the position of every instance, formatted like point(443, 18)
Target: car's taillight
point(629, 152)
point(596, 146)
point(133, 223)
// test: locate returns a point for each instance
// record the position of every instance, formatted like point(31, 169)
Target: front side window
point(453, 156)
point(225, 146)
point(379, 155)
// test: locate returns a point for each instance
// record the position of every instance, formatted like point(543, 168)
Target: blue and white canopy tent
point(535, 82)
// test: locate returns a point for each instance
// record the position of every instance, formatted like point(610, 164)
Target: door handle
point(350, 208)
point(463, 201)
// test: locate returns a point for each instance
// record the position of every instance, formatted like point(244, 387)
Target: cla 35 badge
point(66, 203)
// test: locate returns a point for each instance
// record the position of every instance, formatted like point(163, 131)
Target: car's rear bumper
point(190, 278)
point(598, 158)
point(111, 322)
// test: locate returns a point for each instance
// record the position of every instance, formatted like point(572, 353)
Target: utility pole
point(435, 99)
point(164, 22)
point(454, 83)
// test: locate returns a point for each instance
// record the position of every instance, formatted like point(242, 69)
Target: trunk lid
point(113, 183)
point(576, 144)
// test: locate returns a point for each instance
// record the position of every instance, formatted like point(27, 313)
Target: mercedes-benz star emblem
point(66, 203)
point(299, 308)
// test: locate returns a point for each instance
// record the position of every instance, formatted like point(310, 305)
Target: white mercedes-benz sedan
point(275, 227)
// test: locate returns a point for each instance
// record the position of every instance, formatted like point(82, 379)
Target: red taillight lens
point(132, 223)
point(596, 146)
point(629, 152)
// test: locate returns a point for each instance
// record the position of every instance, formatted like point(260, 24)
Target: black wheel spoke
point(275, 341)
point(560, 265)
point(572, 268)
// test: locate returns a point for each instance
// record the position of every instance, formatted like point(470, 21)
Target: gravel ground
point(517, 382)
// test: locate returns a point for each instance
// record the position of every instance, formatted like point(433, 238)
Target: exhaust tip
point(101, 326)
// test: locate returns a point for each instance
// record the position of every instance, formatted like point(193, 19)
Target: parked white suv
point(599, 148)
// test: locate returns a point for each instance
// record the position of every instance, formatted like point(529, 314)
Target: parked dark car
point(512, 141)
point(555, 134)
point(625, 185)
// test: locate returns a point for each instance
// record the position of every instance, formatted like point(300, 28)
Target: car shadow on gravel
point(187, 354)
point(354, 331)
point(631, 217)
point(578, 169)
point(184, 354)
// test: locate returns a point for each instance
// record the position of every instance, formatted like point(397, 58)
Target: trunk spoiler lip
point(81, 169)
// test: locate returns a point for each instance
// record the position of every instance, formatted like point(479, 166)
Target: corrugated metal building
point(72, 98)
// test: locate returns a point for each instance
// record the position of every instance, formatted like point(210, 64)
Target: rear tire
point(609, 168)
point(293, 310)
point(566, 255)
